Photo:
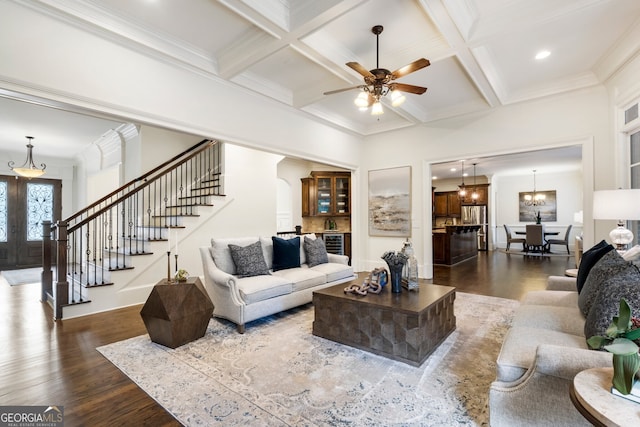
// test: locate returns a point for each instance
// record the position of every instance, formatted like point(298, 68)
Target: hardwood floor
point(56, 363)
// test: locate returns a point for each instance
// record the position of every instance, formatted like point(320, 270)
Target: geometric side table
point(177, 313)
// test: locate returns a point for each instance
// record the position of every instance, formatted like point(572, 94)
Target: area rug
point(516, 249)
point(23, 277)
point(279, 374)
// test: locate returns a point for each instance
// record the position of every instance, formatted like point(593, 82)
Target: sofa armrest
point(561, 283)
point(567, 362)
point(541, 395)
point(560, 362)
point(218, 281)
point(338, 259)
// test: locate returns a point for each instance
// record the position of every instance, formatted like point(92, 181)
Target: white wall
point(579, 117)
point(505, 191)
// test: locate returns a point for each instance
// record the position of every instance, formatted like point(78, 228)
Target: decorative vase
point(395, 261)
point(625, 367)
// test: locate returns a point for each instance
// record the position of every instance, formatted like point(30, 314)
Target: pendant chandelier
point(474, 194)
point(534, 199)
point(28, 168)
point(462, 189)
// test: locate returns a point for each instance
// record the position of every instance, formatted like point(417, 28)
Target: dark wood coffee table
point(407, 326)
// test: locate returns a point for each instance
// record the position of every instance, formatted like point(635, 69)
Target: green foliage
point(619, 341)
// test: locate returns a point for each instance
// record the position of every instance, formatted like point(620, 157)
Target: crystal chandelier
point(534, 199)
point(28, 169)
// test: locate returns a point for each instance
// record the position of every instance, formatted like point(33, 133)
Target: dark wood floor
point(43, 362)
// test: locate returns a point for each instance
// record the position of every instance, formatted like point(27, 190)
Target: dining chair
point(535, 238)
point(511, 239)
point(564, 241)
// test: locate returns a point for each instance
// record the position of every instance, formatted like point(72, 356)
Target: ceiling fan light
point(362, 100)
point(376, 109)
point(397, 98)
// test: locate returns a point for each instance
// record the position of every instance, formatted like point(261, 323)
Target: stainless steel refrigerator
point(477, 215)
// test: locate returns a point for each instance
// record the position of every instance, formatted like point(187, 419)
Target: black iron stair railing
point(104, 236)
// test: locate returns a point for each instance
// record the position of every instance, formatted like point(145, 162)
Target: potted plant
point(619, 340)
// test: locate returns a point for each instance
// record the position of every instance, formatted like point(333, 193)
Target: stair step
point(175, 216)
point(189, 205)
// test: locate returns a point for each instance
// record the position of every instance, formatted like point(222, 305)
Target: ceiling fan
point(380, 81)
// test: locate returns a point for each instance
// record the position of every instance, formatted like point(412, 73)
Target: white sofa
point(542, 352)
point(546, 345)
point(242, 300)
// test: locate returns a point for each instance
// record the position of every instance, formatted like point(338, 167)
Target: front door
point(24, 204)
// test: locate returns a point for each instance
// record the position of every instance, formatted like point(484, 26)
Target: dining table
point(546, 233)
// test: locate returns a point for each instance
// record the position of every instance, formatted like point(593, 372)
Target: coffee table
point(407, 326)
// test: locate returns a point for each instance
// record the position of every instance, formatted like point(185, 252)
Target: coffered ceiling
point(482, 52)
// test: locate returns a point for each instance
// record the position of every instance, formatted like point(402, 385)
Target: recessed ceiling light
point(434, 177)
point(542, 54)
point(453, 169)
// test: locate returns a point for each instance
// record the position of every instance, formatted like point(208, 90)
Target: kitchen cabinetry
point(446, 204)
point(326, 194)
point(483, 195)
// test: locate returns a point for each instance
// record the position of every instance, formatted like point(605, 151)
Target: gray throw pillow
point(315, 251)
point(609, 265)
point(607, 304)
point(249, 260)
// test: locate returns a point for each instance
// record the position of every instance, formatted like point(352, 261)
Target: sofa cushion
point(249, 260)
point(258, 288)
point(301, 278)
point(609, 265)
point(588, 260)
point(315, 251)
point(633, 254)
point(222, 255)
point(554, 298)
point(519, 349)
point(553, 318)
point(286, 253)
point(334, 271)
point(606, 305)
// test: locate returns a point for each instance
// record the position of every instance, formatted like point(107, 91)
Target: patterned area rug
point(279, 374)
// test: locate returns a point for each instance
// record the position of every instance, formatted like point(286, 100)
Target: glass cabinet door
point(324, 195)
point(342, 195)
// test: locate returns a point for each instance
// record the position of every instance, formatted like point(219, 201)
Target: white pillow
point(632, 254)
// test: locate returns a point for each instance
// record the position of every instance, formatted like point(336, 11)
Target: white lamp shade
point(616, 204)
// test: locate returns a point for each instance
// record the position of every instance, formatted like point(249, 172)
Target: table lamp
point(620, 205)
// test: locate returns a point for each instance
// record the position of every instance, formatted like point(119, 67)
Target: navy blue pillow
point(589, 259)
point(286, 253)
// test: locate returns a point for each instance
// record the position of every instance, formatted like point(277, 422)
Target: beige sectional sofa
point(546, 344)
point(243, 299)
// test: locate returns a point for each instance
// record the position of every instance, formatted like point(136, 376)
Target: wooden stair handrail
point(129, 194)
point(208, 142)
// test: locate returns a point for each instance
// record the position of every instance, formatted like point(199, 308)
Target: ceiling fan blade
point(402, 87)
point(410, 68)
point(331, 92)
point(360, 69)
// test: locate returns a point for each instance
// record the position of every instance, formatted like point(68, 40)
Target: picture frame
point(548, 211)
point(389, 202)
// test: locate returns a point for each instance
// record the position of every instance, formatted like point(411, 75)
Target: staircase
point(88, 249)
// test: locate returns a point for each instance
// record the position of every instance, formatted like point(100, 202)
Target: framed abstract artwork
point(390, 202)
point(548, 210)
